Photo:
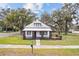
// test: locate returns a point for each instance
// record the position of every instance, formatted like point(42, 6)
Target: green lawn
point(70, 39)
point(38, 52)
point(16, 40)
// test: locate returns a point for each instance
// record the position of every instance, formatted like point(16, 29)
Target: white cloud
point(35, 7)
point(28, 6)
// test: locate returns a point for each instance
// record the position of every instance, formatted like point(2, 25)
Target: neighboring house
point(37, 29)
point(75, 28)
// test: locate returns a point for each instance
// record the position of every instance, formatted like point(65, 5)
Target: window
point(37, 24)
point(45, 33)
point(28, 32)
point(41, 33)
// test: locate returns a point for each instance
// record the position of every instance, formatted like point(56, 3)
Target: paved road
point(8, 34)
point(40, 46)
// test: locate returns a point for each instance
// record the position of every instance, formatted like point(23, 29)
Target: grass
point(70, 39)
point(38, 52)
point(16, 40)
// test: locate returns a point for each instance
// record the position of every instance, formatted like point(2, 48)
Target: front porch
point(37, 34)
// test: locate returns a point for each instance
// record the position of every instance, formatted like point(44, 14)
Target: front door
point(34, 34)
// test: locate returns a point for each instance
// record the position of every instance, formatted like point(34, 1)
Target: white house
point(37, 29)
point(75, 28)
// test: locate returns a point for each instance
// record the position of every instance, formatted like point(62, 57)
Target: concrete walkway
point(37, 42)
point(40, 46)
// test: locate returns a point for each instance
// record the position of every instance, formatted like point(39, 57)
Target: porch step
point(37, 42)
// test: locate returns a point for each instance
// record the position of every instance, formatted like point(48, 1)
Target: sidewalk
point(40, 46)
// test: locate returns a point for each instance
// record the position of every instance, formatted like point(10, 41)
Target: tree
point(16, 19)
point(3, 14)
point(24, 17)
point(75, 8)
point(61, 19)
point(68, 14)
point(56, 20)
point(19, 18)
point(45, 18)
point(1, 25)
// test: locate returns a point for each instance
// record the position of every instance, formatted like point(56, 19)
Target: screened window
point(28, 32)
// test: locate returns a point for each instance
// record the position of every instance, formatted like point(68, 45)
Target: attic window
point(37, 24)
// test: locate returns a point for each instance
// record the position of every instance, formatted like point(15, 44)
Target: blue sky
point(51, 7)
point(37, 8)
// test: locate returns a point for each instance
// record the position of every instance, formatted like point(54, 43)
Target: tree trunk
point(6, 29)
point(21, 31)
point(66, 28)
point(59, 32)
point(21, 26)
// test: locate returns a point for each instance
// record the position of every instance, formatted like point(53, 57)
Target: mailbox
point(31, 45)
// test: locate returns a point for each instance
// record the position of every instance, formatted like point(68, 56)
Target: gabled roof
point(33, 27)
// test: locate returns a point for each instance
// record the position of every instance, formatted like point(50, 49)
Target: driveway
point(8, 34)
